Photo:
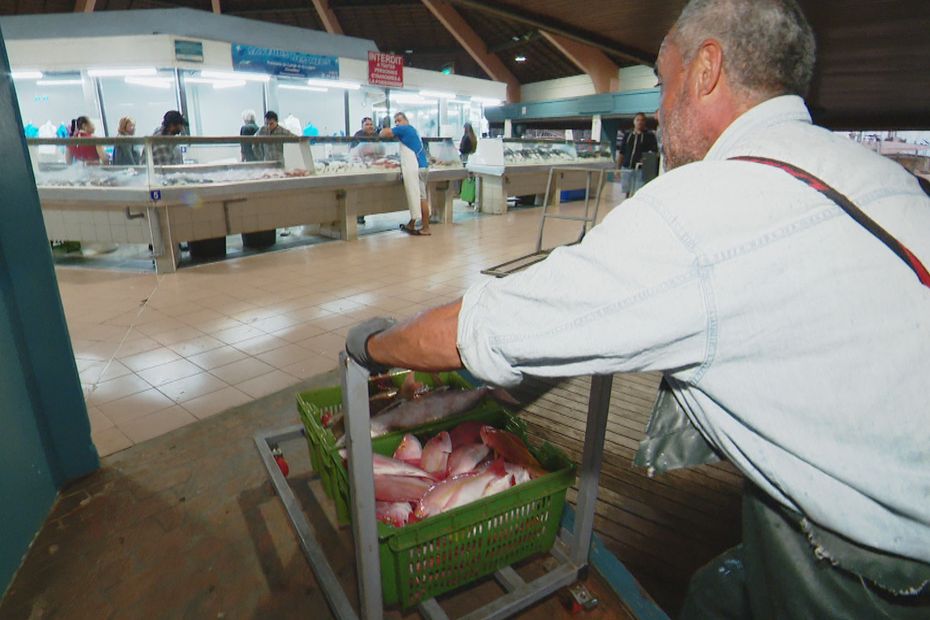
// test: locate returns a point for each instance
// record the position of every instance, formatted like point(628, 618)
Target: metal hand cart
point(571, 550)
point(588, 220)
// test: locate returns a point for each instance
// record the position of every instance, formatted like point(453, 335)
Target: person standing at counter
point(249, 128)
point(82, 127)
point(469, 143)
point(126, 154)
point(369, 149)
point(414, 167)
point(167, 154)
point(272, 151)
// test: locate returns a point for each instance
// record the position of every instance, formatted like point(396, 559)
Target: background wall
point(631, 78)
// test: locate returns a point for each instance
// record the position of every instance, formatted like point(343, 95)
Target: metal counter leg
point(595, 432)
point(362, 486)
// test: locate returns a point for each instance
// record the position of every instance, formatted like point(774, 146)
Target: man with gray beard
point(776, 277)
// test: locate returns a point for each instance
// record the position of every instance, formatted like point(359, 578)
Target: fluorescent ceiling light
point(220, 84)
point(215, 83)
point(150, 82)
point(438, 94)
point(135, 72)
point(59, 82)
point(411, 99)
point(236, 76)
point(315, 89)
point(26, 75)
point(334, 84)
point(486, 100)
point(520, 58)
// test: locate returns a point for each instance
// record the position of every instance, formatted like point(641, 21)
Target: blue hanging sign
point(283, 62)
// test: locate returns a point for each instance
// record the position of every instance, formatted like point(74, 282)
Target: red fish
point(465, 458)
point(400, 488)
point(466, 433)
point(435, 457)
point(410, 450)
point(512, 449)
point(393, 513)
point(459, 490)
point(386, 466)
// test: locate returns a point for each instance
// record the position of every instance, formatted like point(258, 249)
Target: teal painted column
point(44, 430)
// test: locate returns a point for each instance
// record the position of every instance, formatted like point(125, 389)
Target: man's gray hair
point(768, 45)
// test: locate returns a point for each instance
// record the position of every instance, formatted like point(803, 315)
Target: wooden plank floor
point(661, 528)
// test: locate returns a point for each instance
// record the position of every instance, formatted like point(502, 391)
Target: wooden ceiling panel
point(873, 66)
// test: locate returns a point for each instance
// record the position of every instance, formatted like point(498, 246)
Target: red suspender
point(852, 210)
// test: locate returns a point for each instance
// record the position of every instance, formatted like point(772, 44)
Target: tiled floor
point(188, 526)
point(157, 352)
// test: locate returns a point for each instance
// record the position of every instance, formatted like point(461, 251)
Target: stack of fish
point(452, 469)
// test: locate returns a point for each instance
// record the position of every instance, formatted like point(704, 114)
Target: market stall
point(325, 183)
point(507, 167)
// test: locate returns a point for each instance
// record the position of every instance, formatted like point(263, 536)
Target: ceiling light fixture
point(124, 72)
point(520, 58)
point(235, 76)
point(220, 84)
point(60, 82)
point(315, 89)
point(437, 94)
point(333, 84)
point(26, 75)
point(150, 82)
point(410, 98)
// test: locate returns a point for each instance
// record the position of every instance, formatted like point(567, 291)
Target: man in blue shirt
point(414, 168)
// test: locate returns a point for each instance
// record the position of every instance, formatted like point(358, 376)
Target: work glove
point(357, 342)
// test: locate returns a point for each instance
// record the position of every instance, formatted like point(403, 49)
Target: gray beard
point(682, 142)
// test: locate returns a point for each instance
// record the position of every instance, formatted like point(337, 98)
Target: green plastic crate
point(324, 456)
point(444, 552)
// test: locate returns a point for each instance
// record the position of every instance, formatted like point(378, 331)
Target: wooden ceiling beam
point(84, 6)
point(327, 16)
point(550, 24)
point(602, 70)
point(474, 45)
point(216, 6)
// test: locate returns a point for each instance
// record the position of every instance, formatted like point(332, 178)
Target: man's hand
point(357, 342)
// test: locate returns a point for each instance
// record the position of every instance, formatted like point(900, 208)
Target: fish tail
point(503, 397)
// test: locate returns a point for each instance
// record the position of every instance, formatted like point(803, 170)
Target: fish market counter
point(204, 203)
point(507, 167)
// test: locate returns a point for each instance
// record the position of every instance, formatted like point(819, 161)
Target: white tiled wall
point(94, 224)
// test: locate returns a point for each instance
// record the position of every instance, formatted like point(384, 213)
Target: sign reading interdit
point(385, 69)
point(283, 62)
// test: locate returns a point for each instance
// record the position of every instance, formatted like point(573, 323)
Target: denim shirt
point(798, 343)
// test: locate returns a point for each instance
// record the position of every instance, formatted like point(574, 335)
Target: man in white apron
point(414, 167)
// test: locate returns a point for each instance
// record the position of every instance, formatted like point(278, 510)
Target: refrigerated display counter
point(323, 183)
point(519, 167)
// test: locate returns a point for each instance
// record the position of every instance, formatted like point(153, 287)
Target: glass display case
point(442, 153)
point(499, 152)
point(517, 151)
point(196, 161)
point(589, 150)
point(354, 156)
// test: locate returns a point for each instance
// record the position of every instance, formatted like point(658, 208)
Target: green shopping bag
point(468, 190)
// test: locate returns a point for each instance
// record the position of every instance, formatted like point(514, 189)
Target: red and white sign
point(385, 69)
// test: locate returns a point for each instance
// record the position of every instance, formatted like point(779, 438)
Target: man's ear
point(708, 67)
